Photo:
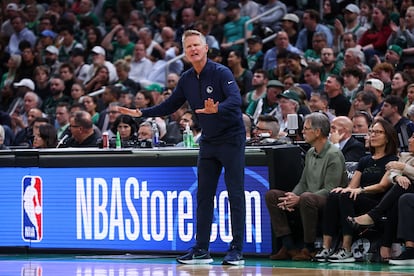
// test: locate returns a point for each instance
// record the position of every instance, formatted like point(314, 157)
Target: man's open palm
point(209, 107)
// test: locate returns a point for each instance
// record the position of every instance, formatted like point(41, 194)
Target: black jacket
point(91, 141)
point(353, 150)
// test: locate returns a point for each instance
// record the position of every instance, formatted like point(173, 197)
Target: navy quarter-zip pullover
point(216, 82)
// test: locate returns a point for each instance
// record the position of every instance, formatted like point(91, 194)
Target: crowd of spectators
point(66, 66)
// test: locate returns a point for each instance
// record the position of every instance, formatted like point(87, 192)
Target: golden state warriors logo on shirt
point(209, 89)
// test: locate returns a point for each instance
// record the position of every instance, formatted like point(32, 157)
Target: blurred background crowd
point(69, 64)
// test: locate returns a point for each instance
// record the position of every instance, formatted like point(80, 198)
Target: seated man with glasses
point(266, 132)
point(324, 170)
point(83, 133)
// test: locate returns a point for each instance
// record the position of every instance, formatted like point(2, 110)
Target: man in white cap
point(352, 24)
point(98, 59)
point(23, 86)
point(377, 87)
point(51, 59)
point(17, 105)
point(27, 84)
point(291, 17)
point(290, 23)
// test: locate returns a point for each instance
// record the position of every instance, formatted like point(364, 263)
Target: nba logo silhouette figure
point(32, 214)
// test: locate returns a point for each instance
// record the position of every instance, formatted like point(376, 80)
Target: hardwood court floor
point(146, 265)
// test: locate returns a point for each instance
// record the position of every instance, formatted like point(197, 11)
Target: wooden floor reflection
point(72, 265)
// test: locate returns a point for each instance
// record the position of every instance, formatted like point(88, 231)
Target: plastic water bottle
point(188, 138)
point(118, 140)
point(155, 134)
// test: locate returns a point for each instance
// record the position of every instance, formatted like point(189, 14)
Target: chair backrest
point(350, 169)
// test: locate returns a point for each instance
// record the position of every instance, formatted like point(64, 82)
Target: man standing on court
point(213, 94)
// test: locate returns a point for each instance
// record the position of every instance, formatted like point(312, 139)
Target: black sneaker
point(233, 257)
point(195, 256)
point(405, 258)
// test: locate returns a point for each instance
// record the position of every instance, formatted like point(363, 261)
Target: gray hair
point(146, 30)
point(297, 104)
point(321, 35)
point(357, 53)
point(193, 33)
point(146, 123)
point(36, 97)
point(320, 121)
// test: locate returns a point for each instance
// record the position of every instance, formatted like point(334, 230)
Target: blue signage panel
point(138, 208)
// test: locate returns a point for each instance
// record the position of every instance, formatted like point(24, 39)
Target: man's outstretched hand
point(130, 112)
point(209, 107)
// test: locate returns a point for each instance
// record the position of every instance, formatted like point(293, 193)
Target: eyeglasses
point(306, 128)
point(376, 131)
point(260, 129)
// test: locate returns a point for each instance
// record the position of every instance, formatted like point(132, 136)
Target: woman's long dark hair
point(391, 147)
point(126, 119)
point(386, 21)
point(48, 133)
point(407, 78)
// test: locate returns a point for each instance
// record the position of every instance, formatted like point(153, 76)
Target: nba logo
point(32, 203)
